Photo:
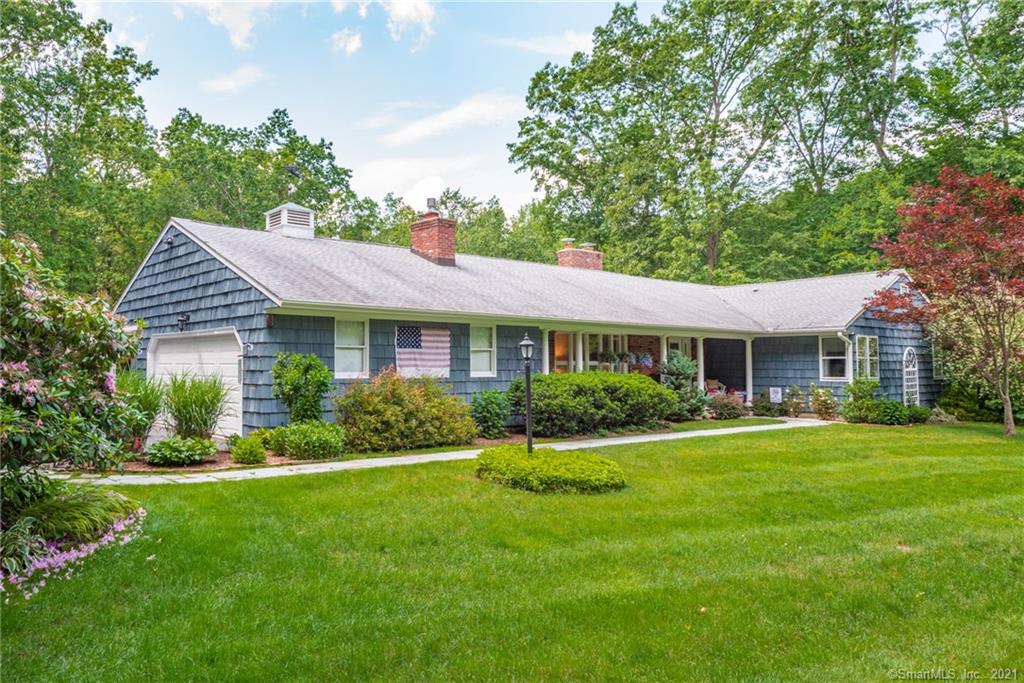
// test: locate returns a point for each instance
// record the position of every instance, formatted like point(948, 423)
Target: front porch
point(723, 363)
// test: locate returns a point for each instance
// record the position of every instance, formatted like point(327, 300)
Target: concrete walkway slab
point(399, 460)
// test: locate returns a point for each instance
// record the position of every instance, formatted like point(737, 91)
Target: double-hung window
point(482, 351)
point(350, 358)
point(867, 356)
point(832, 359)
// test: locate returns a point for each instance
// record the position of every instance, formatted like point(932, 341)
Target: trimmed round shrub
point(918, 414)
point(248, 451)
point(764, 407)
point(277, 440)
point(583, 403)
point(391, 413)
point(893, 413)
point(823, 403)
point(263, 434)
point(860, 410)
point(727, 407)
point(300, 381)
point(490, 410)
point(549, 471)
point(313, 440)
point(178, 451)
point(795, 401)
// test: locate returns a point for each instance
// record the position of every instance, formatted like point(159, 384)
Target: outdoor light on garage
point(183, 321)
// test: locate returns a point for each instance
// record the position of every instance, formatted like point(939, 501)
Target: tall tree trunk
point(711, 257)
point(1009, 428)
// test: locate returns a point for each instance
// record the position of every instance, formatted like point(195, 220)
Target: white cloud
point(91, 10)
point(239, 79)
point(346, 41)
point(409, 14)
point(339, 5)
point(119, 37)
point(388, 114)
point(237, 18)
point(479, 110)
point(564, 45)
point(413, 178)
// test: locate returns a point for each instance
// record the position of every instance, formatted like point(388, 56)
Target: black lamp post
point(526, 348)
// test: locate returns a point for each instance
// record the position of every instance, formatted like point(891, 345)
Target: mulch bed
point(220, 461)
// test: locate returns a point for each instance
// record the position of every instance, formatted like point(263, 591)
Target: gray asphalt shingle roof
point(340, 272)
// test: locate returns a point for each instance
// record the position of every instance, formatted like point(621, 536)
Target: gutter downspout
point(849, 359)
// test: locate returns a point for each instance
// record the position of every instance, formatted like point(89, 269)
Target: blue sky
point(414, 95)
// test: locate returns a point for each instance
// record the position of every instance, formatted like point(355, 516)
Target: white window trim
point(493, 350)
point(821, 361)
point(366, 349)
point(856, 353)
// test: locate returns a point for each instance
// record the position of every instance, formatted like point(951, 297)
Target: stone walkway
point(393, 461)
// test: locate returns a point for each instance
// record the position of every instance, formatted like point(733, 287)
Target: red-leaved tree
point(963, 243)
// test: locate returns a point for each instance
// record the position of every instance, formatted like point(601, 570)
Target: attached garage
point(216, 353)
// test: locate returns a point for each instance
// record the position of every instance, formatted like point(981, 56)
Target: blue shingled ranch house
point(225, 300)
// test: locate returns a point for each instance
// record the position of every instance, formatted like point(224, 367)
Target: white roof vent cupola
point(291, 220)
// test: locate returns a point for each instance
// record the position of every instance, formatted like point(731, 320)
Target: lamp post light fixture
point(526, 349)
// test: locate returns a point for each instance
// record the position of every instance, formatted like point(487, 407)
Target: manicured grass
point(701, 425)
point(832, 553)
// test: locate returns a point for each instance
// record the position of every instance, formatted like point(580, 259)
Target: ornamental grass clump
point(146, 396)
point(195, 404)
point(60, 527)
point(549, 471)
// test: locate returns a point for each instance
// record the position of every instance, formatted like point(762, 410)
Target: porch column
point(749, 344)
point(700, 362)
point(545, 362)
point(581, 363)
point(664, 348)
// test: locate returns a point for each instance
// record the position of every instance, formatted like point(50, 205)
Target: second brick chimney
point(583, 257)
point(433, 238)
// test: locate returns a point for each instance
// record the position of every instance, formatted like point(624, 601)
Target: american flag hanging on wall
point(422, 351)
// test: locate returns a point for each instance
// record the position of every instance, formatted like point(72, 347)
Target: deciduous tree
point(963, 243)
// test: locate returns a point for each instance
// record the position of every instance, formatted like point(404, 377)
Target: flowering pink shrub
point(59, 561)
point(57, 394)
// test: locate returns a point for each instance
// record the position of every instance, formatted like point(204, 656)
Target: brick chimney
point(433, 237)
point(583, 257)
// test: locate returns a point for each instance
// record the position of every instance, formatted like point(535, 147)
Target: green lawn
point(701, 425)
point(836, 553)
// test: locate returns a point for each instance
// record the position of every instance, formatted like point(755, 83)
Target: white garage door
point(203, 353)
